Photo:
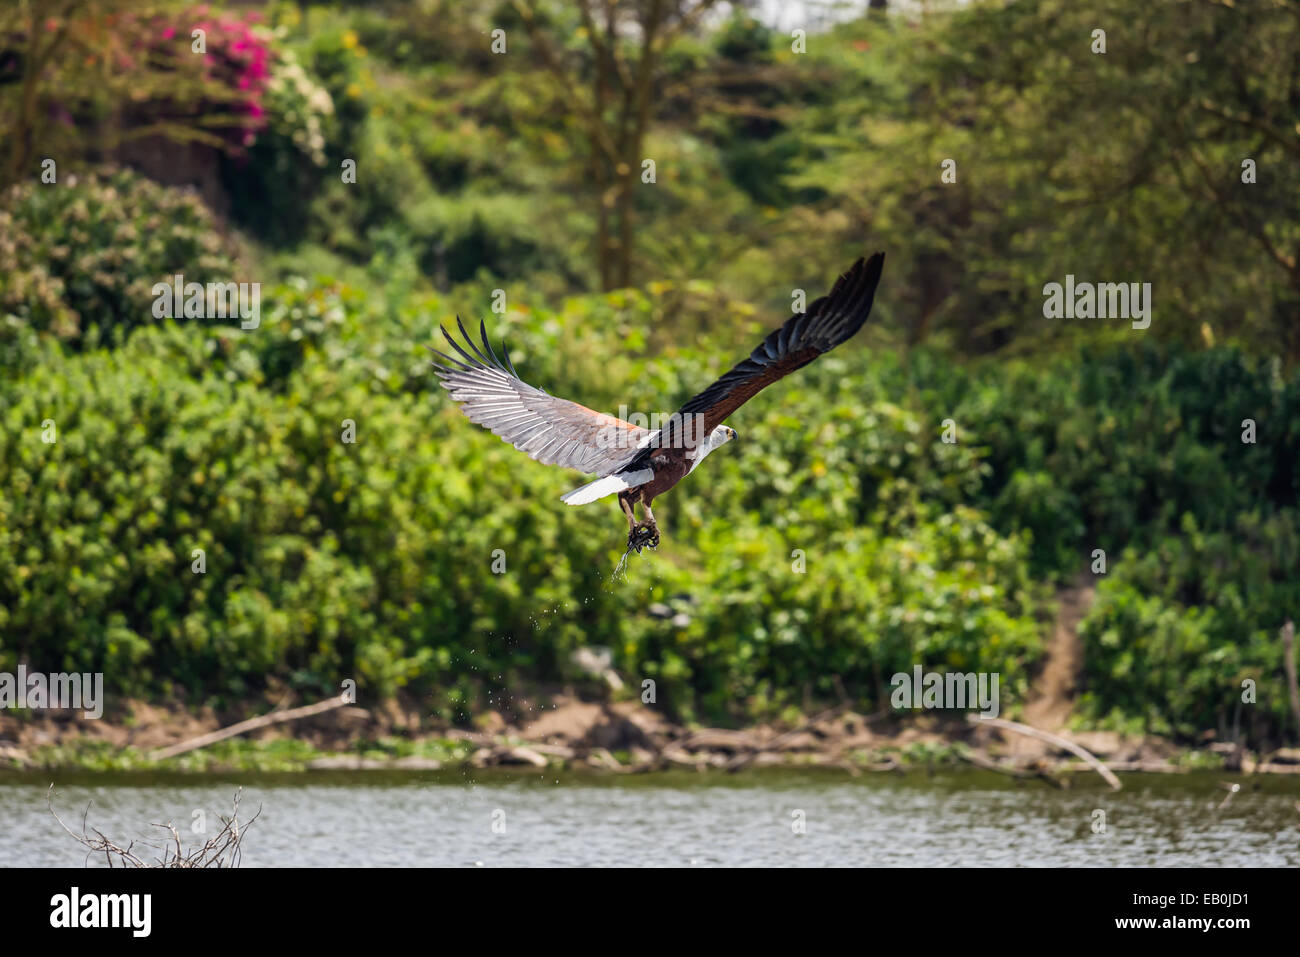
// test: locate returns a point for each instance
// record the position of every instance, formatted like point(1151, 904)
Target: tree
point(1123, 162)
point(612, 91)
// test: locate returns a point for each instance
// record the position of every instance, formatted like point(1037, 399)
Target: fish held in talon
point(642, 536)
point(632, 462)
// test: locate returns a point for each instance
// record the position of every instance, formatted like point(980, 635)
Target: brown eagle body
point(670, 466)
point(636, 463)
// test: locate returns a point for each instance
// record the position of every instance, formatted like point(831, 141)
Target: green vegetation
point(840, 539)
point(78, 262)
point(275, 755)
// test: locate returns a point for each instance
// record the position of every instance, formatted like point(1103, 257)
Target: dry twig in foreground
point(220, 850)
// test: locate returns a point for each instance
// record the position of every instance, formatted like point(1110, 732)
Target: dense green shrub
point(373, 560)
point(83, 255)
point(1116, 446)
point(1180, 626)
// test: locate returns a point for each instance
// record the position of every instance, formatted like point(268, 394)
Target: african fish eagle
point(637, 463)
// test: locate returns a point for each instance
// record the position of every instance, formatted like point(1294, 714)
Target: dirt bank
point(618, 737)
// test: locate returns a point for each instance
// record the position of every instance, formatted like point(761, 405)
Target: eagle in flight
point(637, 463)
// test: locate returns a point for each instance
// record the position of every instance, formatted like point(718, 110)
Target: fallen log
point(988, 764)
point(522, 755)
point(252, 724)
point(555, 751)
point(1053, 739)
point(682, 758)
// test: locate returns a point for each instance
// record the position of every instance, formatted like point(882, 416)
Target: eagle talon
point(643, 535)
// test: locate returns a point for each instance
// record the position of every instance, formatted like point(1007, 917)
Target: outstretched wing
point(553, 431)
point(828, 321)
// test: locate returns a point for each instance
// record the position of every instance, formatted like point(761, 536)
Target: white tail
point(607, 486)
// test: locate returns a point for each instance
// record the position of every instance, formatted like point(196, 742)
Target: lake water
point(447, 818)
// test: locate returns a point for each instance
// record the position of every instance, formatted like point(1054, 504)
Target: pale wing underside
point(551, 430)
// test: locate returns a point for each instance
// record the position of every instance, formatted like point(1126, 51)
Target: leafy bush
point(79, 259)
point(327, 560)
point(1117, 447)
point(1179, 627)
point(373, 560)
point(272, 182)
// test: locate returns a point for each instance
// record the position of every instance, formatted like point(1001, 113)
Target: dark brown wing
point(828, 321)
point(553, 431)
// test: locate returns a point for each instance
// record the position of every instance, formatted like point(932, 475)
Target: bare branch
point(224, 849)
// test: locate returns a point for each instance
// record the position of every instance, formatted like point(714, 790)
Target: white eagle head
point(721, 436)
point(718, 437)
